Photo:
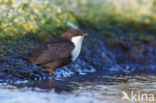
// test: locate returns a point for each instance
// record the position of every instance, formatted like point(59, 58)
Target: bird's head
point(74, 35)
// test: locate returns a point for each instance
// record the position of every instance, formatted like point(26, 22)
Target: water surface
point(90, 88)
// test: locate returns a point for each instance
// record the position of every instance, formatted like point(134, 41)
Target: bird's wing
point(52, 50)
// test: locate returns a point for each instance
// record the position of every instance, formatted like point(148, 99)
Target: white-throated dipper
point(57, 52)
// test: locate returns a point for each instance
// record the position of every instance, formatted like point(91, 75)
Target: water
point(96, 89)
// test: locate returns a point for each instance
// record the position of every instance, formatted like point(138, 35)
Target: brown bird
point(57, 52)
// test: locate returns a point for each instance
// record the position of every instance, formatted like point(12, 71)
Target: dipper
point(57, 52)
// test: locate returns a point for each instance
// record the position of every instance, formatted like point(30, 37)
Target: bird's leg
point(52, 74)
point(51, 84)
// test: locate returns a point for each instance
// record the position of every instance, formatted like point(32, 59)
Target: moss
point(39, 20)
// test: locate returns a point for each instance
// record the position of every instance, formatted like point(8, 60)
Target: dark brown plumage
point(55, 53)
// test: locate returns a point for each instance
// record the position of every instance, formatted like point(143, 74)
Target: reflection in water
point(57, 86)
point(79, 89)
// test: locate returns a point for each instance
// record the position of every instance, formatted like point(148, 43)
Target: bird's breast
point(76, 52)
point(77, 41)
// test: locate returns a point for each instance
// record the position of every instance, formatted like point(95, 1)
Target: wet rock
point(99, 54)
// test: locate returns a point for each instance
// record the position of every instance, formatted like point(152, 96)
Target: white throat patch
point(77, 43)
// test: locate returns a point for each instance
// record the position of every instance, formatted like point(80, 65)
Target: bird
point(57, 52)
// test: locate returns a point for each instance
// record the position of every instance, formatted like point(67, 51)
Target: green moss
point(39, 20)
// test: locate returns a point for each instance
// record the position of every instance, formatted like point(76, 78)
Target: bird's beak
point(85, 34)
